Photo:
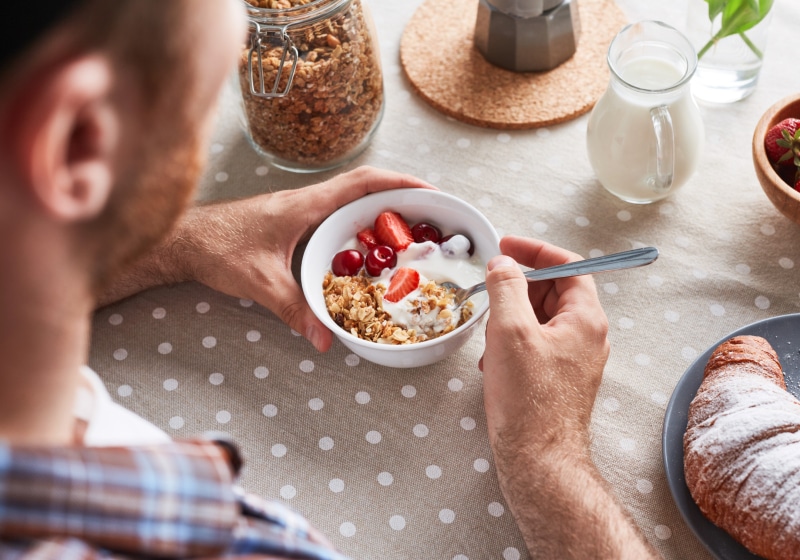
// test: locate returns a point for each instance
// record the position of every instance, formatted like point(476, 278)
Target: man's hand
point(546, 348)
point(244, 248)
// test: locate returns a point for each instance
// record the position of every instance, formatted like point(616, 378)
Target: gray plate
point(783, 333)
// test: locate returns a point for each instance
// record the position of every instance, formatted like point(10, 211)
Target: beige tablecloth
point(395, 464)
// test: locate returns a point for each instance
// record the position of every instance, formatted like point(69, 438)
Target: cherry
point(470, 249)
point(426, 232)
point(347, 263)
point(378, 258)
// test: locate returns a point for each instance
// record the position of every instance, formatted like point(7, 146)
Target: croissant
point(742, 449)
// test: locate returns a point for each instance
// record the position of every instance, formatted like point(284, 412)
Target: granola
point(356, 305)
point(336, 98)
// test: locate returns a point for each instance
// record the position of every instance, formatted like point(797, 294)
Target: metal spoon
point(614, 261)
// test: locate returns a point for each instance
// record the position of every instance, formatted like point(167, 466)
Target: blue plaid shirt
point(174, 500)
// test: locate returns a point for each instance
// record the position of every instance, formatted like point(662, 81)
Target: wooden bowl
point(781, 194)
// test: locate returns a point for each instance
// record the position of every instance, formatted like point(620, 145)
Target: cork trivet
point(440, 59)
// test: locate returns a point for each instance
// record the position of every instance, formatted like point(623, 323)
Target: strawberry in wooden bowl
point(372, 273)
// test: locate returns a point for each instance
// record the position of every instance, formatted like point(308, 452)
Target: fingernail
point(500, 262)
point(312, 334)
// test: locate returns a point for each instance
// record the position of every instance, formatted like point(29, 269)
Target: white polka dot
point(403, 95)
point(655, 281)
point(362, 397)
point(642, 359)
point(539, 227)
point(253, 336)
point(659, 398)
point(742, 269)
point(610, 288)
point(352, 360)
point(627, 444)
point(447, 516)
point(768, 229)
point(420, 430)
point(662, 532)
point(624, 216)
point(762, 302)
point(626, 323)
point(294, 332)
point(202, 307)
point(306, 366)
point(269, 410)
point(385, 479)
point(288, 492)
point(460, 557)
point(511, 553)
point(433, 471)
point(433, 177)
point(682, 241)
point(336, 485)
point(216, 148)
point(455, 384)
point(221, 177)
point(223, 416)
point(515, 166)
point(644, 486)
point(481, 465)
point(216, 378)
point(120, 354)
point(316, 404)
point(408, 391)
point(542, 132)
point(568, 190)
point(423, 149)
point(397, 522)
point(672, 316)
point(468, 423)
point(124, 390)
point(159, 313)
point(326, 443)
point(262, 170)
point(176, 422)
point(786, 262)
point(374, 436)
point(699, 274)
point(278, 450)
point(413, 121)
point(347, 529)
point(485, 201)
point(582, 221)
point(496, 509)
point(246, 302)
point(209, 342)
point(716, 309)
point(503, 138)
point(170, 384)
point(261, 372)
point(594, 253)
point(115, 319)
point(611, 404)
point(164, 348)
point(688, 353)
point(666, 208)
point(474, 172)
point(463, 143)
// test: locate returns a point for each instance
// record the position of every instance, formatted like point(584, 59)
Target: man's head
point(103, 120)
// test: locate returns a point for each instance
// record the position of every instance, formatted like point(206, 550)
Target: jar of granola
point(311, 81)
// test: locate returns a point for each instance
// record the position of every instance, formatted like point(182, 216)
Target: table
point(395, 464)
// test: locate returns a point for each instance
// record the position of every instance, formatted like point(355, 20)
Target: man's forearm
point(565, 509)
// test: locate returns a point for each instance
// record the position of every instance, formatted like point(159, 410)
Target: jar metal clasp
point(270, 34)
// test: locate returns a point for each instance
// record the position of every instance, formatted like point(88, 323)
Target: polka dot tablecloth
point(395, 464)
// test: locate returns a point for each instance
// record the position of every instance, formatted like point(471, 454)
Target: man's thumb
point(506, 286)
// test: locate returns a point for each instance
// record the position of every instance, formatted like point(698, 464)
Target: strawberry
point(782, 143)
point(404, 281)
point(392, 230)
point(367, 238)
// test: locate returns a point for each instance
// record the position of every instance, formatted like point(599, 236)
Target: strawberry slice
point(392, 230)
point(404, 281)
point(367, 238)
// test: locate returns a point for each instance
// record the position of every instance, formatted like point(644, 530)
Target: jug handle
point(665, 147)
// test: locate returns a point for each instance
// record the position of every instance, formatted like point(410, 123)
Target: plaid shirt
point(173, 500)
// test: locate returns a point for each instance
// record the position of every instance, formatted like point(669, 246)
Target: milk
point(621, 137)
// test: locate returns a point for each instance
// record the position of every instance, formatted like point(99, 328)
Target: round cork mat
point(440, 59)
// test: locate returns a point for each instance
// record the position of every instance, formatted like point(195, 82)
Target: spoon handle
point(615, 261)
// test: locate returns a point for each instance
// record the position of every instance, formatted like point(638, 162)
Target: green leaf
point(738, 16)
point(715, 8)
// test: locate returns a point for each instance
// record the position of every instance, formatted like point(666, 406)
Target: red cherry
point(378, 258)
point(347, 263)
point(470, 251)
point(426, 232)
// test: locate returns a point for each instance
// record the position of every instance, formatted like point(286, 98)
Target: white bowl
point(451, 214)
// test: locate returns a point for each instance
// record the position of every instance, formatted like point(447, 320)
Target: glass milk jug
point(645, 134)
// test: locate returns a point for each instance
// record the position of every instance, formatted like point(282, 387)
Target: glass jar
point(311, 82)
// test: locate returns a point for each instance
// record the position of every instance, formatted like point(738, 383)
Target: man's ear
point(63, 130)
